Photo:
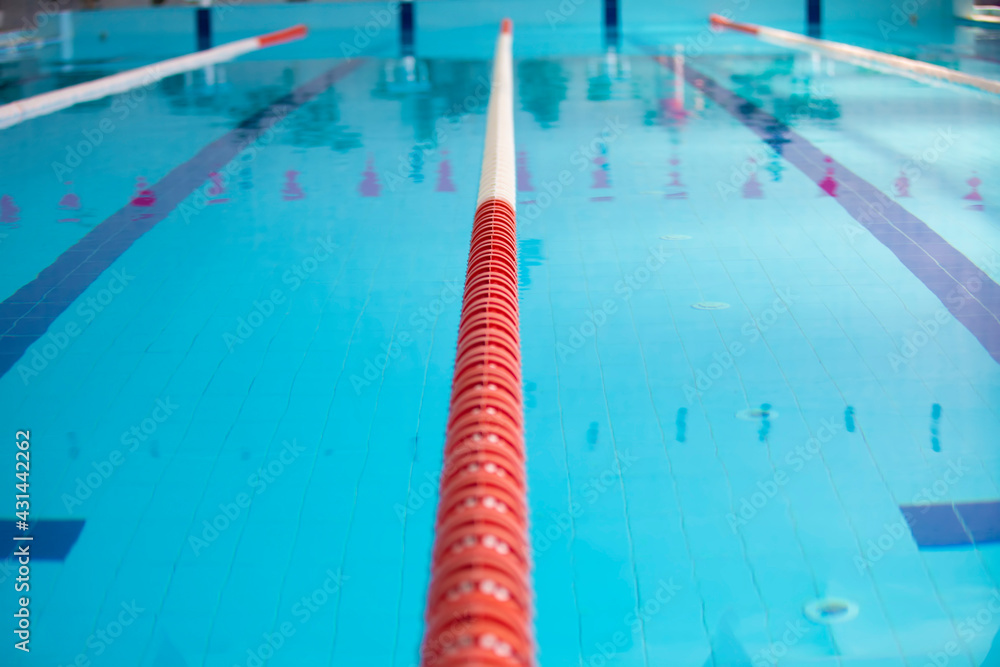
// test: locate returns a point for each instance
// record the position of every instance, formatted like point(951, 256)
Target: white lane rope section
point(857, 55)
point(498, 180)
point(56, 100)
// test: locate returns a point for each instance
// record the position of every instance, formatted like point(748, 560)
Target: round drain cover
point(828, 611)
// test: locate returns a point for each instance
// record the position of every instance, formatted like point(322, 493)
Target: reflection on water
point(531, 254)
point(23, 78)
point(774, 83)
point(726, 648)
point(542, 86)
point(432, 95)
point(202, 90)
point(313, 125)
point(318, 124)
point(606, 76)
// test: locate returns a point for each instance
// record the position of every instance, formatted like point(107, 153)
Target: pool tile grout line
point(945, 271)
point(58, 285)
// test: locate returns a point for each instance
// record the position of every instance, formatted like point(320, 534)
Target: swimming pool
point(758, 326)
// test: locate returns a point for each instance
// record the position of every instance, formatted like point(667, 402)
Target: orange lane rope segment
point(479, 606)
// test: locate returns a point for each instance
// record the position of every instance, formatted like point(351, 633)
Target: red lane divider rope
point(479, 606)
point(281, 36)
point(723, 22)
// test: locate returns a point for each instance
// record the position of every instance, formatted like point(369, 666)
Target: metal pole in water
point(406, 9)
point(203, 20)
point(612, 32)
point(814, 18)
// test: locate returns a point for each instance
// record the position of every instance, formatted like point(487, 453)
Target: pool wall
point(372, 26)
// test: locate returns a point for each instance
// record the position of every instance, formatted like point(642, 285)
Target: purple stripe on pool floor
point(27, 314)
point(954, 524)
point(51, 539)
point(965, 290)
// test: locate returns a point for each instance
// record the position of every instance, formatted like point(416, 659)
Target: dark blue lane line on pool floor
point(954, 524)
point(52, 539)
point(965, 290)
point(28, 313)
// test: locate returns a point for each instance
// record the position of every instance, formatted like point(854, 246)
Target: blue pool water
point(741, 379)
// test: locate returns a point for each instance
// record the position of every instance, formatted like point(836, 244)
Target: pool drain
point(675, 237)
point(828, 611)
point(710, 305)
